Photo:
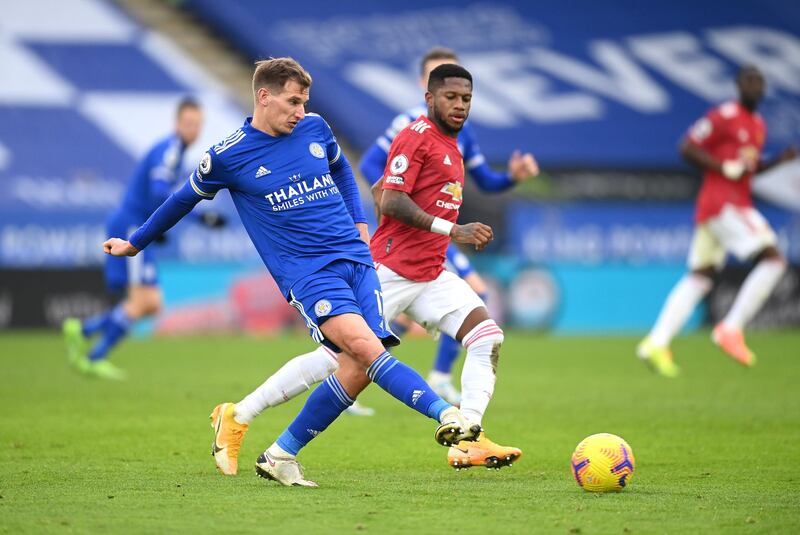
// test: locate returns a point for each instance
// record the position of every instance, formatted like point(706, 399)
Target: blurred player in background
point(520, 168)
point(298, 200)
point(726, 144)
point(150, 185)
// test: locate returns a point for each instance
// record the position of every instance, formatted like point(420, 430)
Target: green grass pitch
point(717, 450)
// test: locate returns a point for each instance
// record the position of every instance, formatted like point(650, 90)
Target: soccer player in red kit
point(726, 144)
point(419, 204)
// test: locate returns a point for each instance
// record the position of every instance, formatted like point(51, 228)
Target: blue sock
point(406, 385)
point(446, 354)
point(398, 328)
point(91, 325)
point(115, 329)
point(322, 407)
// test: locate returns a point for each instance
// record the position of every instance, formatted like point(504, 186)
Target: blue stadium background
point(599, 92)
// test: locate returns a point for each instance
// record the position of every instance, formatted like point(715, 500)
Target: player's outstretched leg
point(351, 333)
point(230, 421)
point(759, 284)
point(354, 336)
point(654, 348)
point(323, 406)
point(292, 379)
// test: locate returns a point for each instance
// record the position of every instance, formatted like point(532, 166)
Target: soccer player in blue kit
point(520, 168)
point(151, 183)
point(297, 198)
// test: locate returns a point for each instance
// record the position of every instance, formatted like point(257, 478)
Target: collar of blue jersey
point(249, 129)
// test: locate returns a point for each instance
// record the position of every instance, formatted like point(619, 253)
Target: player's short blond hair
point(273, 74)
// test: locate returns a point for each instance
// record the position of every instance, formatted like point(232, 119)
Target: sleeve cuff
point(198, 190)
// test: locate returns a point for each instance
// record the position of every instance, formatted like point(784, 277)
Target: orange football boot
point(482, 452)
point(228, 436)
point(731, 341)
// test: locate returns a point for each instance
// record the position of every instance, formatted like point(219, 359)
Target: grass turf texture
point(717, 450)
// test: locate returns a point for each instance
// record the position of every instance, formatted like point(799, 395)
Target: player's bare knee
point(707, 272)
point(363, 349)
point(485, 333)
point(151, 305)
point(353, 378)
point(486, 337)
point(473, 319)
point(771, 254)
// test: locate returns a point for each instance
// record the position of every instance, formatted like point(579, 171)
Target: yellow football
point(603, 463)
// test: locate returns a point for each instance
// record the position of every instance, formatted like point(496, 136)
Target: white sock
point(294, 377)
point(754, 292)
point(682, 300)
point(480, 367)
point(277, 451)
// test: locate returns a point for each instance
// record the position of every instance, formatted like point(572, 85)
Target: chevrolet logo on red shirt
point(454, 189)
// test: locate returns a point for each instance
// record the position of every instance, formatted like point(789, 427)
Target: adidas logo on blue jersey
point(262, 171)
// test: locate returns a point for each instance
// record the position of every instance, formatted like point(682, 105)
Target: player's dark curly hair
point(446, 70)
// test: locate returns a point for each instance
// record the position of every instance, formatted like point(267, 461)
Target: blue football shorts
point(124, 271)
point(339, 288)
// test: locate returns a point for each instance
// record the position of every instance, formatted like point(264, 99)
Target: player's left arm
point(203, 183)
point(788, 154)
point(521, 167)
point(399, 205)
point(164, 218)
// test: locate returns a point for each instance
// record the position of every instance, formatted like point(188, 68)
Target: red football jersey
point(427, 165)
point(728, 132)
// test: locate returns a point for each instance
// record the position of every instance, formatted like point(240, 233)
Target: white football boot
point(285, 470)
point(455, 428)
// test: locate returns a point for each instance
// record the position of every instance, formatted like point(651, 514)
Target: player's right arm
point(695, 147)
point(203, 183)
point(400, 206)
point(406, 158)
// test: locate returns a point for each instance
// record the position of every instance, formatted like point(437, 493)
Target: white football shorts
point(438, 305)
point(741, 231)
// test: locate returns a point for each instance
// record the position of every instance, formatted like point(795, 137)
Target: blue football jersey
point(153, 179)
point(286, 198)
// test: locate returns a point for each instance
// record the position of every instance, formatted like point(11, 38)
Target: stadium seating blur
point(600, 99)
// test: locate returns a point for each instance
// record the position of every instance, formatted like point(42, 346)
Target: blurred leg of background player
point(745, 233)
point(138, 274)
